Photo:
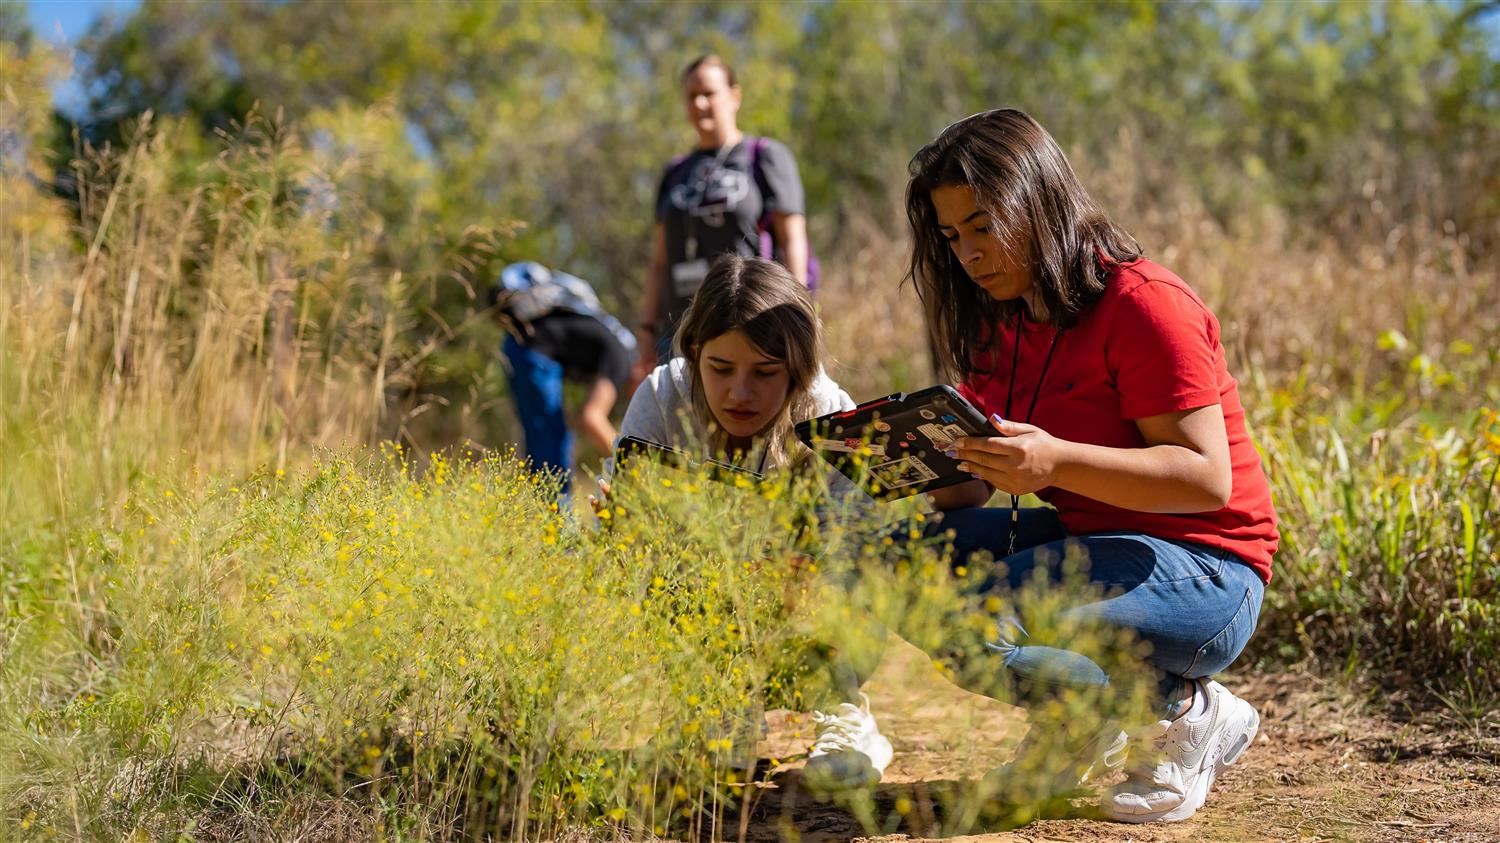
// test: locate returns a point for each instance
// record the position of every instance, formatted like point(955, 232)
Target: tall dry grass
point(180, 631)
point(1298, 304)
point(229, 305)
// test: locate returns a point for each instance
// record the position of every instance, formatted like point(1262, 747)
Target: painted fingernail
point(995, 417)
point(951, 453)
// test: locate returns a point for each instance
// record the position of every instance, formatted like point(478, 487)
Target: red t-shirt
point(1148, 346)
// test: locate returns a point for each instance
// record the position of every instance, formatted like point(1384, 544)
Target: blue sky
point(62, 22)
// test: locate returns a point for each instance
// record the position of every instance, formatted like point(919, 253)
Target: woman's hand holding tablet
point(896, 446)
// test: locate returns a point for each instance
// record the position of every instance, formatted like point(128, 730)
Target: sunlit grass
point(449, 643)
point(226, 603)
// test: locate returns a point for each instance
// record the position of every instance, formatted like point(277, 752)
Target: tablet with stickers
point(893, 446)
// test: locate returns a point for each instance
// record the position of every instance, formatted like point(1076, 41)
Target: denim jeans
point(1196, 606)
point(536, 383)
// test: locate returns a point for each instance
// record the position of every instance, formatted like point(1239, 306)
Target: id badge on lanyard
point(688, 276)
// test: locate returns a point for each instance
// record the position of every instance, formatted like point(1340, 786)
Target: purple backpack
point(767, 237)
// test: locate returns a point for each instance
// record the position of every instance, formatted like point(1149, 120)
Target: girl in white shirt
point(748, 367)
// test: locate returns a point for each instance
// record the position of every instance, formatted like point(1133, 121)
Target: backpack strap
point(767, 233)
point(758, 146)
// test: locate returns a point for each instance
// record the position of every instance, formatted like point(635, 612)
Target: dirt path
point(1323, 768)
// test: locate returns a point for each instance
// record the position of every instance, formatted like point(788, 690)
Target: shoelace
point(838, 732)
point(1150, 750)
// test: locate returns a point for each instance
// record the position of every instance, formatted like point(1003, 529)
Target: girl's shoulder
point(1148, 288)
point(668, 384)
point(827, 396)
point(1142, 277)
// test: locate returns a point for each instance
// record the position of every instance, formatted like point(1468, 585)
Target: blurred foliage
point(441, 650)
point(562, 114)
point(270, 232)
point(1321, 171)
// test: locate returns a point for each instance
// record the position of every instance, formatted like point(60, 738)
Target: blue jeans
point(536, 383)
point(1196, 606)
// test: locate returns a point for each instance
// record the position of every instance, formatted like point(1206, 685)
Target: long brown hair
point(763, 299)
point(1022, 178)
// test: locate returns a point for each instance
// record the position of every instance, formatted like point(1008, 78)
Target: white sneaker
point(1106, 751)
point(1051, 762)
point(849, 751)
point(1188, 755)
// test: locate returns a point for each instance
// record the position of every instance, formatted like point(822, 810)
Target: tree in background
point(1346, 119)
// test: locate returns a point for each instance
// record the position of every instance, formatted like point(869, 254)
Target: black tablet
point(629, 447)
point(893, 447)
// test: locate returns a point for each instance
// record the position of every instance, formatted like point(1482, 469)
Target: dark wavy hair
point(1022, 178)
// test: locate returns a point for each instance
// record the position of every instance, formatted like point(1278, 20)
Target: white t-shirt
point(661, 410)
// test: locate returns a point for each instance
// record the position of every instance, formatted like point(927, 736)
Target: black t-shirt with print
point(713, 198)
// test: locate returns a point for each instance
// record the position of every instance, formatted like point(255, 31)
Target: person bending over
point(557, 331)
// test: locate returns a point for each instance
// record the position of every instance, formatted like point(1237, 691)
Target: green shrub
point(1390, 553)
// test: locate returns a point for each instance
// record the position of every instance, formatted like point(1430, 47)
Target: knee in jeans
point(1220, 651)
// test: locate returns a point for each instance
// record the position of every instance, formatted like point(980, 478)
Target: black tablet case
point(906, 433)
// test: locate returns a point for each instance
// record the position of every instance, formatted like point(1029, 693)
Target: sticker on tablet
point(882, 427)
point(906, 471)
point(927, 414)
point(848, 446)
point(938, 436)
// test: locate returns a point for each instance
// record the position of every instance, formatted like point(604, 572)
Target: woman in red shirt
point(1105, 379)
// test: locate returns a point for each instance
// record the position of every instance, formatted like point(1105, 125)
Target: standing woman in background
point(1105, 379)
point(715, 201)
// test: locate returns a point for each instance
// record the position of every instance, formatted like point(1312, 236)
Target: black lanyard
point(705, 180)
point(1010, 391)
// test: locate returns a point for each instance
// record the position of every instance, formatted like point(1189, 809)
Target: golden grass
point(218, 608)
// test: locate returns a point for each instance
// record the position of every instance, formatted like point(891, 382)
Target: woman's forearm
point(1158, 478)
point(791, 233)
